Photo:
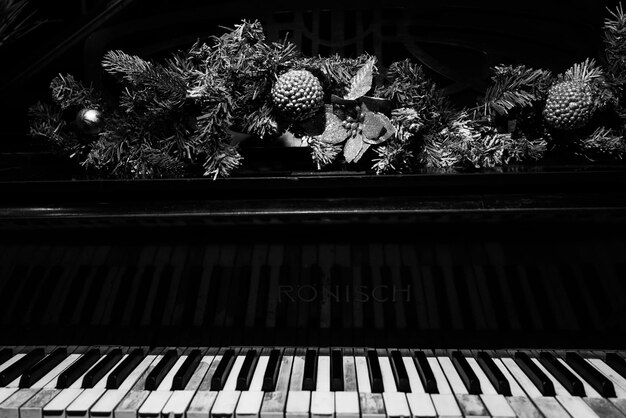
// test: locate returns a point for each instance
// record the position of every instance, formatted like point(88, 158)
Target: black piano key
point(309, 379)
point(42, 367)
point(121, 372)
point(592, 375)
point(535, 374)
point(469, 378)
point(78, 368)
point(425, 372)
point(5, 354)
point(399, 372)
point(247, 370)
point(271, 372)
point(155, 377)
point(494, 374)
point(562, 374)
point(182, 376)
point(19, 367)
point(375, 374)
point(223, 369)
point(617, 363)
point(336, 371)
point(98, 371)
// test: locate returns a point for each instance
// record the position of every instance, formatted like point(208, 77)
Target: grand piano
point(286, 292)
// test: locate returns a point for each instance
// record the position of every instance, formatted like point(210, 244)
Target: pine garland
point(177, 118)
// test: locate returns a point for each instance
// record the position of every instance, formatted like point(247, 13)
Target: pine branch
point(15, 21)
point(322, 152)
point(67, 92)
point(605, 142)
point(615, 45)
point(515, 87)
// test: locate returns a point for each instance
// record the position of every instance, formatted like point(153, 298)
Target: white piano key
point(516, 389)
point(559, 389)
point(298, 404)
point(550, 407)
point(231, 379)
point(396, 405)
point(199, 373)
point(471, 405)
point(33, 408)
point(362, 374)
point(58, 405)
point(389, 382)
point(274, 402)
point(440, 377)
point(249, 405)
point(101, 384)
point(421, 405)
point(322, 404)
point(347, 405)
point(446, 406)
point(521, 378)
point(154, 403)
point(620, 403)
point(414, 379)
point(453, 376)
point(10, 408)
point(497, 406)
point(131, 403)
point(49, 379)
point(349, 375)
point(83, 402)
point(523, 407)
point(618, 381)
point(257, 378)
point(323, 374)
point(168, 380)
point(111, 398)
point(372, 405)
point(297, 373)
point(485, 384)
point(603, 408)
point(576, 406)
point(177, 404)
point(225, 404)
point(201, 404)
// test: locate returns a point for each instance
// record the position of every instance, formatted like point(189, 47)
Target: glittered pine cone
point(297, 95)
point(569, 105)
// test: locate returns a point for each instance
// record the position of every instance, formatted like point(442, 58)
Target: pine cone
point(569, 105)
point(297, 95)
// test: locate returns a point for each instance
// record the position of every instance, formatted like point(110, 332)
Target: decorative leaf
point(353, 147)
point(360, 154)
point(377, 128)
point(361, 83)
point(334, 132)
point(372, 127)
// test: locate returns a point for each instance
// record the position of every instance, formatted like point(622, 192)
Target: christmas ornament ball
point(569, 105)
point(90, 121)
point(298, 95)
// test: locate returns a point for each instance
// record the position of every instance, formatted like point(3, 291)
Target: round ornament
point(90, 121)
point(569, 105)
point(298, 95)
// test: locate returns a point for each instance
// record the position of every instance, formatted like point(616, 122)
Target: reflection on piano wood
point(342, 293)
point(276, 382)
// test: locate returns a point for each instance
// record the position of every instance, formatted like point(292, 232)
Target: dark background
point(457, 41)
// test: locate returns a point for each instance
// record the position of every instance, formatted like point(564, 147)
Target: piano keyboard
point(267, 382)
